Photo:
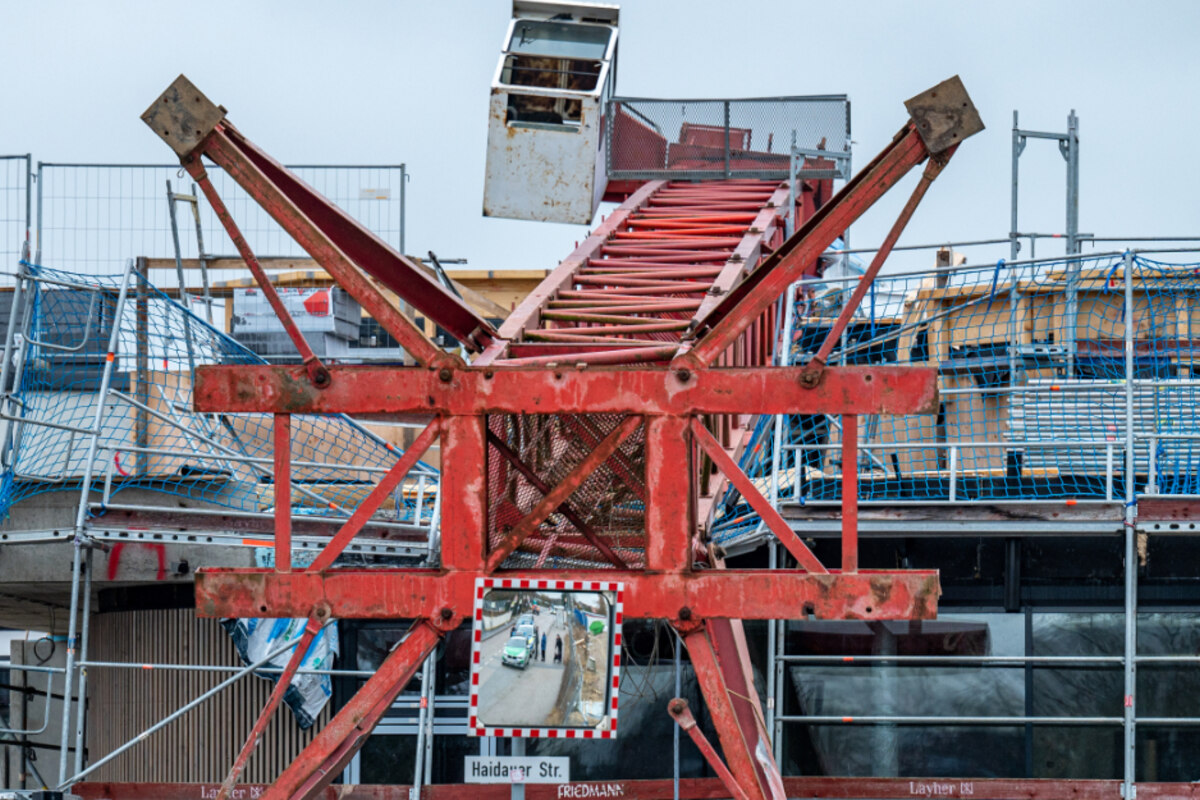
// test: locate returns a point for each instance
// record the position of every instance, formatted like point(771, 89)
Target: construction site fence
point(16, 207)
point(90, 218)
point(1064, 379)
point(705, 139)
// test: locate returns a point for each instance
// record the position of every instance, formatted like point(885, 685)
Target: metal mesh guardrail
point(1037, 398)
point(92, 218)
point(148, 436)
point(15, 208)
point(706, 139)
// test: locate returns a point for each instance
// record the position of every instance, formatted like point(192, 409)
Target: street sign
point(517, 769)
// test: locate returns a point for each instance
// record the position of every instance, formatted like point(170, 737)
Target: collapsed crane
point(627, 360)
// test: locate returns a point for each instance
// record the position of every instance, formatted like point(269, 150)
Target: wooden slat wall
point(201, 746)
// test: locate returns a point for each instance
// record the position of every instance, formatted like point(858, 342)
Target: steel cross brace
point(706, 605)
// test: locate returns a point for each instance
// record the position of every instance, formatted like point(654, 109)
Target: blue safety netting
point(1033, 388)
point(148, 435)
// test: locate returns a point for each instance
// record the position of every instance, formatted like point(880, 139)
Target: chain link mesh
point(705, 139)
point(610, 501)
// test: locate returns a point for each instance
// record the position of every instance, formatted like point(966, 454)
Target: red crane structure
point(631, 356)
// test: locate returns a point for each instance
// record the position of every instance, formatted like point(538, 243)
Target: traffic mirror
point(546, 658)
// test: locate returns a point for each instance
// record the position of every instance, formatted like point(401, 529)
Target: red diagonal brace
point(565, 509)
point(738, 749)
point(329, 753)
point(558, 495)
point(742, 305)
point(233, 158)
point(770, 516)
point(679, 711)
point(371, 502)
point(316, 370)
point(315, 623)
point(582, 427)
point(932, 170)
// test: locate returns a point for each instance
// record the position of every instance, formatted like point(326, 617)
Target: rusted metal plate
point(182, 116)
point(394, 390)
point(944, 115)
point(548, 173)
point(715, 594)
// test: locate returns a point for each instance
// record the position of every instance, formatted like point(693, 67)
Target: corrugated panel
point(1095, 410)
point(201, 746)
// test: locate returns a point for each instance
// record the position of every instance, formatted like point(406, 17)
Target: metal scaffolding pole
point(114, 339)
point(1130, 654)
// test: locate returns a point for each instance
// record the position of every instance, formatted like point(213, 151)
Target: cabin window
point(564, 40)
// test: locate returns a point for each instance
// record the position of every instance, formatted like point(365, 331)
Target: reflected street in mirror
point(545, 659)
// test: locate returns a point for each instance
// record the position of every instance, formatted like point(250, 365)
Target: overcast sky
point(387, 82)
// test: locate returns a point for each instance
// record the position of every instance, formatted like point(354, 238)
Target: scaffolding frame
point(1129, 526)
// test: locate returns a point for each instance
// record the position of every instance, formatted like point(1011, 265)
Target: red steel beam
point(316, 369)
point(679, 711)
point(370, 504)
point(932, 169)
point(729, 468)
point(748, 252)
point(710, 594)
point(282, 684)
point(739, 751)
point(742, 304)
point(350, 237)
point(249, 174)
point(329, 753)
point(654, 391)
point(947, 787)
point(733, 657)
point(527, 314)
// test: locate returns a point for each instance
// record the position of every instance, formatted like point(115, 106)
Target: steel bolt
point(685, 613)
point(683, 375)
point(445, 375)
point(447, 613)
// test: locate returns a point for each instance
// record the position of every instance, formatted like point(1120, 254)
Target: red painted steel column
point(849, 493)
point(464, 493)
point(283, 492)
point(669, 508)
point(739, 751)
